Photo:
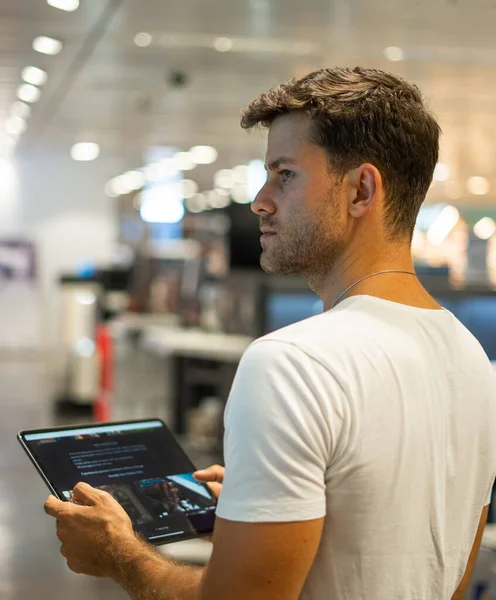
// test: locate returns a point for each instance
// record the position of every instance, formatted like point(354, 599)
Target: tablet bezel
point(51, 486)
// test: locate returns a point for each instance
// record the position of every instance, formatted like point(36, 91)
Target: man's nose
point(263, 203)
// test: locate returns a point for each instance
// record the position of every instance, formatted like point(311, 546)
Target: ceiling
point(181, 91)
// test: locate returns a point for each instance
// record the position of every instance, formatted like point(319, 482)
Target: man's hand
point(213, 477)
point(92, 531)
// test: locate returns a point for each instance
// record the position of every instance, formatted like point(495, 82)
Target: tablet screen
point(140, 464)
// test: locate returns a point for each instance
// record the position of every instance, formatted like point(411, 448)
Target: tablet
point(139, 463)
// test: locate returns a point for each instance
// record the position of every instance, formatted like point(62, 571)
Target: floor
point(30, 563)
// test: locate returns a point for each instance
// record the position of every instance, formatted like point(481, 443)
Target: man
point(360, 444)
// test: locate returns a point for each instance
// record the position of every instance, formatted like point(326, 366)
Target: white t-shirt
point(381, 418)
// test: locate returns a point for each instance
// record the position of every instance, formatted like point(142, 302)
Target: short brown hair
point(364, 115)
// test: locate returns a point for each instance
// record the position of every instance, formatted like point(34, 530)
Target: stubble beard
point(308, 249)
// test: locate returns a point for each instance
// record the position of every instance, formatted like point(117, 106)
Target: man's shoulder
point(319, 337)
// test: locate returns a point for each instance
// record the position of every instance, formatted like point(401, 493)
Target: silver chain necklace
point(367, 277)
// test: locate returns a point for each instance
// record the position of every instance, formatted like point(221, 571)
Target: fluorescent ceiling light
point(20, 109)
point(204, 155)
point(394, 53)
point(67, 5)
point(28, 93)
point(34, 76)
point(143, 39)
point(485, 228)
point(85, 151)
point(47, 45)
point(443, 225)
point(15, 126)
point(478, 186)
point(441, 172)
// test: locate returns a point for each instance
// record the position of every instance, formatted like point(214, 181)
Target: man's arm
point(147, 575)
point(462, 588)
point(262, 561)
point(250, 561)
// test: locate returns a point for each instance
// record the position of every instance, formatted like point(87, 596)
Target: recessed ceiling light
point(223, 44)
point(15, 126)
point(28, 93)
point(67, 5)
point(204, 155)
point(116, 187)
point(478, 186)
point(394, 53)
point(85, 151)
point(143, 39)
point(47, 45)
point(189, 188)
point(197, 203)
point(219, 198)
point(485, 228)
point(224, 179)
point(184, 161)
point(20, 109)
point(110, 190)
point(132, 180)
point(441, 172)
point(34, 75)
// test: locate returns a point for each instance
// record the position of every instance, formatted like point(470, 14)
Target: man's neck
point(353, 266)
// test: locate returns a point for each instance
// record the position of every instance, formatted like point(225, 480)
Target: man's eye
point(286, 175)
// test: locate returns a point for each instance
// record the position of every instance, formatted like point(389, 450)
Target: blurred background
point(129, 258)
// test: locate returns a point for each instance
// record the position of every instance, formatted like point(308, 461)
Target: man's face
point(300, 204)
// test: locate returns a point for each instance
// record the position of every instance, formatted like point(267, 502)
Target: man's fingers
point(53, 506)
point(214, 473)
point(85, 494)
point(215, 488)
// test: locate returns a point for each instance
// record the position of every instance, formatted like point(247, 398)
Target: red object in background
point(102, 406)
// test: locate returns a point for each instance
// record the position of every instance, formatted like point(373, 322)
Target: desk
point(194, 343)
point(182, 349)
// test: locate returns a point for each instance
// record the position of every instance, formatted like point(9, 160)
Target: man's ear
point(364, 187)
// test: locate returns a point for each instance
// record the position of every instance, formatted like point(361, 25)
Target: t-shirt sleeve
point(278, 438)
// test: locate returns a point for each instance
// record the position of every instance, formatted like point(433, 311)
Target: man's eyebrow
point(272, 166)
